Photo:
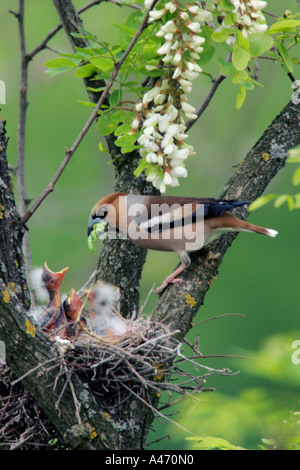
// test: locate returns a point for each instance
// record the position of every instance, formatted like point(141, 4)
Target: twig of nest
point(23, 426)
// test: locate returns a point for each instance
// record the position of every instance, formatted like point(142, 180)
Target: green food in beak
point(98, 229)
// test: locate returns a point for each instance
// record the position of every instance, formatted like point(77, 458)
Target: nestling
point(47, 283)
point(170, 223)
point(73, 306)
point(104, 319)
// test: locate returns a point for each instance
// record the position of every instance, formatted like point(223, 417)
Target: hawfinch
point(47, 283)
point(104, 319)
point(169, 223)
point(73, 306)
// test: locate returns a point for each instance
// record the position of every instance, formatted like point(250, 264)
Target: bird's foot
point(167, 282)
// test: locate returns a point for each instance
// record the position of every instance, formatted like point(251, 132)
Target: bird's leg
point(185, 262)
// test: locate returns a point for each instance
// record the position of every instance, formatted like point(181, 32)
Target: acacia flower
point(161, 114)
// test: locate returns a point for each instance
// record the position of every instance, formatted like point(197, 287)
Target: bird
point(47, 285)
point(104, 319)
point(170, 223)
point(73, 306)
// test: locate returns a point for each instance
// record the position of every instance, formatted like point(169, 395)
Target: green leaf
point(260, 202)
point(226, 5)
point(240, 77)
point(240, 97)
point(294, 155)
point(259, 43)
point(109, 120)
point(87, 51)
point(102, 149)
point(285, 56)
point(104, 64)
point(240, 57)
point(60, 62)
point(151, 73)
point(128, 149)
point(122, 129)
point(210, 443)
point(284, 26)
point(115, 97)
point(297, 201)
point(281, 200)
point(226, 68)
point(219, 36)
point(56, 71)
point(127, 140)
point(143, 164)
point(207, 54)
point(89, 104)
point(242, 41)
point(85, 71)
point(290, 202)
point(125, 29)
point(296, 177)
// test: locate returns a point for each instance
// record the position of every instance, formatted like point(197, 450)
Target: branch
point(70, 152)
point(54, 31)
point(248, 182)
point(216, 82)
point(23, 104)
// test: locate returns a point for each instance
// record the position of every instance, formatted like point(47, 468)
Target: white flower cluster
point(161, 113)
point(248, 16)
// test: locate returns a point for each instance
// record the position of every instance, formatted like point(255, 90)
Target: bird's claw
point(167, 282)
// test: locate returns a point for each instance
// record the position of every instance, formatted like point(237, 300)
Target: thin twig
point(207, 100)
point(155, 411)
point(39, 366)
point(220, 316)
point(23, 104)
point(94, 115)
point(54, 31)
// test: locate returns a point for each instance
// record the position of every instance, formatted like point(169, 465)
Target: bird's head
point(73, 305)
point(52, 280)
point(98, 215)
point(107, 211)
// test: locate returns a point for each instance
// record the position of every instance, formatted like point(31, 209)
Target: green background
point(259, 277)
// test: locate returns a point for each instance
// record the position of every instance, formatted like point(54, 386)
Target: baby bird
point(73, 306)
point(170, 223)
point(47, 285)
point(105, 322)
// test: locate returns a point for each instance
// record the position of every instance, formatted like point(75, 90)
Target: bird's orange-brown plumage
point(171, 211)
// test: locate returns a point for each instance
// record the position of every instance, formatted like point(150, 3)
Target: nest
point(130, 365)
point(145, 364)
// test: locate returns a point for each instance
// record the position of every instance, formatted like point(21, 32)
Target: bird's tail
point(228, 222)
point(257, 229)
point(245, 226)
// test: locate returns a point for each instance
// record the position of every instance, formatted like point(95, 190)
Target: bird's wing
point(171, 212)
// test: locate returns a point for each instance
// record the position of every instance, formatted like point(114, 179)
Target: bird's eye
point(102, 212)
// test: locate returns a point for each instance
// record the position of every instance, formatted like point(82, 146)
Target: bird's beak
point(59, 274)
point(92, 221)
